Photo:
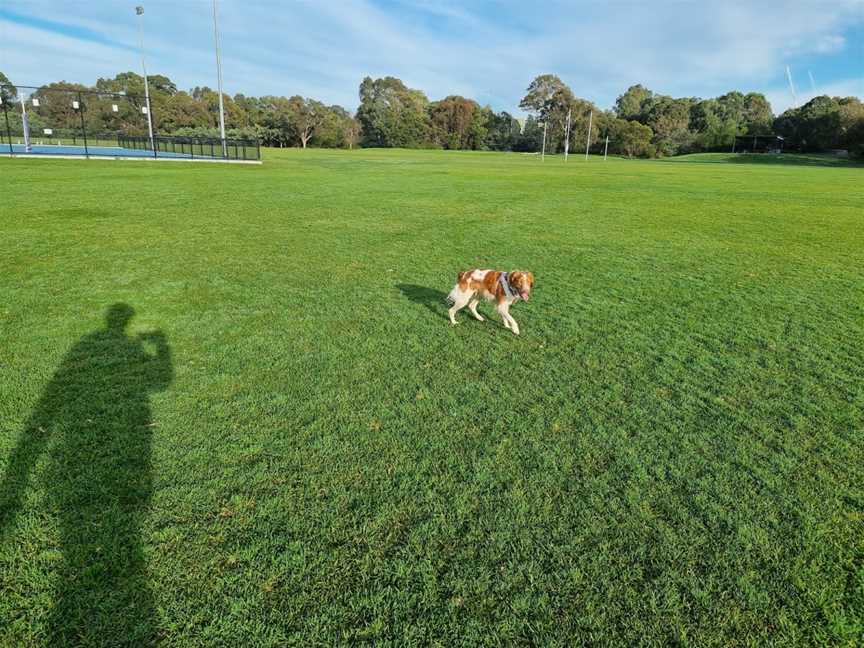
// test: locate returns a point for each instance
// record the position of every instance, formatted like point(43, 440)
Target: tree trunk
point(305, 136)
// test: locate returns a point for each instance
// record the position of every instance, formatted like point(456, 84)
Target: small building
point(757, 144)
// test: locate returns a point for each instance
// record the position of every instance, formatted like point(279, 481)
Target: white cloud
point(830, 44)
point(487, 51)
point(26, 52)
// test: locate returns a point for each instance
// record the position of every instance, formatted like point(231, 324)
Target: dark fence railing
point(193, 147)
point(65, 121)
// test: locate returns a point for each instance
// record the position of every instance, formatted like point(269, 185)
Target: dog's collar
point(505, 282)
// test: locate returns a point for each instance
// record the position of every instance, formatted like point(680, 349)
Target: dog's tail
point(451, 298)
point(461, 283)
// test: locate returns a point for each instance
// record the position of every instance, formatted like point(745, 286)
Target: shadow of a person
point(93, 422)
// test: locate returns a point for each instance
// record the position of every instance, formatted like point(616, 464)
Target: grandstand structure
point(758, 144)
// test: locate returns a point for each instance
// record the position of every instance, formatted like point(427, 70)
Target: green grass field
point(288, 444)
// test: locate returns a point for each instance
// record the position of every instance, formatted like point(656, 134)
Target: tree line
point(642, 123)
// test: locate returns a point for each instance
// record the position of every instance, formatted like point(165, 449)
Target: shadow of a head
point(434, 300)
point(118, 316)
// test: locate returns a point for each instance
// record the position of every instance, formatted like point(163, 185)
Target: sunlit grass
point(670, 453)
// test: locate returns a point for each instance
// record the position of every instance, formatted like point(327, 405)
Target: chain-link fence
point(194, 147)
point(70, 122)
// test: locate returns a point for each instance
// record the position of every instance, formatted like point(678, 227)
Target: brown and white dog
point(505, 288)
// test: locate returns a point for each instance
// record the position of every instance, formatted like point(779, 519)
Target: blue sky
point(489, 51)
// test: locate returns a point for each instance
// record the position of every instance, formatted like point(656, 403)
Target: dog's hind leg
point(472, 306)
point(460, 300)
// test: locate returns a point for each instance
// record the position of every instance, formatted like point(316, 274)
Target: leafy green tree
point(351, 129)
point(276, 120)
point(851, 135)
point(502, 131)
point(531, 136)
point(630, 138)
point(823, 123)
point(234, 117)
point(180, 110)
point(56, 109)
point(545, 95)
point(549, 99)
point(669, 120)
point(822, 118)
point(132, 83)
point(790, 126)
point(757, 114)
point(251, 108)
point(713, 129)
point(392, 114)
point(305, 116)
point(583, 114)
point(8, 92)
point(338, 129)
point(629, 104)
point(457, 123)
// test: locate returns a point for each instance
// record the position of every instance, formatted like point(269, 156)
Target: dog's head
point(522, 282)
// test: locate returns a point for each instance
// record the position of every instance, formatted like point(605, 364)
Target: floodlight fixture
point(139, 10)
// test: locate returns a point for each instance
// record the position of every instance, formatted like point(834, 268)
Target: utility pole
point(588, 140)
point(219, 80)
point(139, 10)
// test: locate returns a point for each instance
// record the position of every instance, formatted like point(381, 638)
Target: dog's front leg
point(509, 322)
point(513, 325)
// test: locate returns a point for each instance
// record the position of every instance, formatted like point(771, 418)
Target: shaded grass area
point(287, 444)
point(788, 159)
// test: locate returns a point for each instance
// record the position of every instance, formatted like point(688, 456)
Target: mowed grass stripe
point(671, 452)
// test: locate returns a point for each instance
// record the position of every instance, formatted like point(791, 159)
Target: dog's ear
point(530, 278)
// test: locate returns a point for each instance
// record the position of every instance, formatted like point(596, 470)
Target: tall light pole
point(25, 124)
point(219, 79)
point(139, 10)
